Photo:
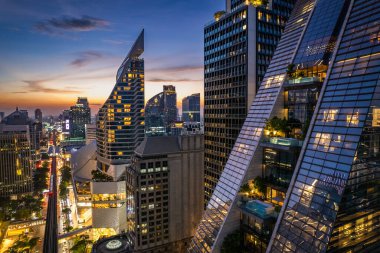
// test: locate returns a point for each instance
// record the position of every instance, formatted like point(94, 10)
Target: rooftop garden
point(98, 176)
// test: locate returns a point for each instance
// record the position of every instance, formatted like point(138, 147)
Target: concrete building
point(15, 160)
point(90, 133)
point(165, 193)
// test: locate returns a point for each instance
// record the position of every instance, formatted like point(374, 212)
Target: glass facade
point(210, 232)
point(161, 111)
point(237, 50)
point(191, 108)
point(332, 204)
point(120, 123)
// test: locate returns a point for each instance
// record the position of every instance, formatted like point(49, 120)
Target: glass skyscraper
point(191, 108)
point(327, 62)
point(80, 115)
point(161, 111)
point(120, 124)
point(238, 47)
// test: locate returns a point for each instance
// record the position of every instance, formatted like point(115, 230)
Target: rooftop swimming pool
point(259, 208)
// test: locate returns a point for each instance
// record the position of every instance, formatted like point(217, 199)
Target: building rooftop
point(155, 145)
point(115, 244)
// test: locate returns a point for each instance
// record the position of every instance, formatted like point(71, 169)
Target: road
point(51, 233)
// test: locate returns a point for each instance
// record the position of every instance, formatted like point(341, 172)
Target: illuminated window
point(353, 119)
point(376, 117)
point(260, 15)
point(330, 115)
point(119, 153)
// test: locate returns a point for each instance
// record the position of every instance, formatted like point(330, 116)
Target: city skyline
point(68, 50)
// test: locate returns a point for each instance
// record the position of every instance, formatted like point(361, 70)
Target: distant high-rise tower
point(2, 114)
point(38, 115)
point(15, 160)
point(191, 108)
point(170, 104)
point(161, 111)
point(21, 117)
point(120, 124)
point(80, 115)
point(238, 47)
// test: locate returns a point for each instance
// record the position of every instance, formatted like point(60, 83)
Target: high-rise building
point(21, 117)
point(80, 115)
point(191, 108)
point(161, 111)
point(238, 47)
point(90, 133)
point(15, 160)
point(120, 124)
point(2, 114)
point(307, 155)
point(165, 193)
point(170, 102)
point(38, 115)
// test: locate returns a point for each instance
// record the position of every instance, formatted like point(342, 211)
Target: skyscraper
point(164, 192)
point(80, 115)
point(15, 160)
point(120, 124)
point(191, 108)
point(161, 111)
point(38, 115)
point(21, 117)
point(238, 47)
point(329, 53)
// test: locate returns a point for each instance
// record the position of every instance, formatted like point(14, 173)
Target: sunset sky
point(52, 51)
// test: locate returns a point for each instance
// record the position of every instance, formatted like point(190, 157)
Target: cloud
point(68, 23)
point(117, 42)
point(178, 68)
point(38, 86)
point(172, 80)
point(86, 58)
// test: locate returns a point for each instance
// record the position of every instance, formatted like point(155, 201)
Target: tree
point(232, 243)
point(98, 176)
point(245, 188)
point(68, 228)
point(259, 185)
point(66, 174)
point(80, 244)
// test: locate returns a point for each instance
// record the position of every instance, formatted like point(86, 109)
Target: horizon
point(68, 50)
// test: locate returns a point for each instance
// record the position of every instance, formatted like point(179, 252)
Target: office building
point(161, 111)
point(191, 108)
point(2, 114)
point(165, 193)
point(15, 160)
point(120, 124)
point(325, 177)
point(238, 47)
point(80, 115)
point(90, 133)
point(38, 115)
point(21, 117)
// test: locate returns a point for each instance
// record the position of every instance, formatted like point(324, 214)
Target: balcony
point(259, 209)
point(281, 143)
